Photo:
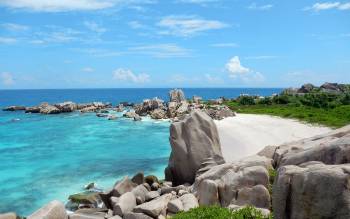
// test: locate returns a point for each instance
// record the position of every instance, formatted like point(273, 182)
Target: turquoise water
point(49, 157)
point(46, 157)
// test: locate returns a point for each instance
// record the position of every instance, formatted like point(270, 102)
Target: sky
point(173, 43)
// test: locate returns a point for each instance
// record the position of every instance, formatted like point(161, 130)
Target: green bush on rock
point(216, 212)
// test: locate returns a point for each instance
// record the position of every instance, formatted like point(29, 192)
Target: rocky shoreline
point(298, 180)
point(175, 109)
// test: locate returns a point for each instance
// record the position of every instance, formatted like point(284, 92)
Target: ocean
point(46, 157)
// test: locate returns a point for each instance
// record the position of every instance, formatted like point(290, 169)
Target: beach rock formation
point(306, 88)
point(177, 95)
point(46, 108)
point(329, 148)
point(241, 183)
point(219, 112)
point(192, 141)
point(67, 107)
point(53, 210)
point(14, 108)
point(312, 190)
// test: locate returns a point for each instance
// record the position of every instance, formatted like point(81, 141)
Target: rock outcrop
point(53, 210)
point(192, 140)
point(312, 190)
point(14, 108)
point(244, 182)
point(177, 95)
point(329, 148)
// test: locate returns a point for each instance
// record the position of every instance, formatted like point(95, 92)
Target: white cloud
point(15, 27)
point(235, 68)
point(7, 79)
point(88, 69)
point(128, 76)
point(57, 5)
point(161, 50)
point(7, 40)
point(329, 5)
point(93, 26)
point(229, 45)
point(255, 6)
point(186, 26)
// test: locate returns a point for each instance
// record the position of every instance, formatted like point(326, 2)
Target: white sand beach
point(246, 134)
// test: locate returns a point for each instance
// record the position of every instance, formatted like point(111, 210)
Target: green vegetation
point(272, 175)
point(215, 212)
point(328, 109)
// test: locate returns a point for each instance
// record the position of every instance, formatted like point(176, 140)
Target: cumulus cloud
point(255, 6)
point(237, 70)
point(7, 79)
point(186, 26)
point(329, 5)
point(128, 76)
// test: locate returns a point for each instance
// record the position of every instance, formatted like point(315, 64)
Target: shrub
point(216, 212)
point(246, 100)
point(281, 99)
point(265, 101)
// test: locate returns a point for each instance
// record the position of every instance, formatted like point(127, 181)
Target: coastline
point(250, 133)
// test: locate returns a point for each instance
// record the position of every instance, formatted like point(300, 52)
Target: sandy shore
point(246, 134)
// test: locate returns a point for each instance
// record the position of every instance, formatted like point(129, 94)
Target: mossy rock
point(87, 197)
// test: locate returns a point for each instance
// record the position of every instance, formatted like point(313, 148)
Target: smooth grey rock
point(45, 108)
point(116, 217)
point(126, 185)
point(66, 107)
point(132, 215)
point(152, 195)
point(155, 186)
point(233, 178)
point(329, 148)
point(155, 207)
point(189, 201)
point(53, 210)
point(137, 118)
point(175, 206)
point(208, 193)
point(166, 190)
point(125, 204)
point(97, 215)
point(130, 114)
point(314, 190)
point(192, 140)
point(140, 193)
point(268, 151)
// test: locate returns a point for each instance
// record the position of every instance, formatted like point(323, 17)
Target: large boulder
point(177, 95)
point(66, 107)
point(329, 148)
point(313, 190)
point(155, 207)
point(192, 140)
point(124, 186)
point(46, 108)
point(333, 87)
point(53, 210)
point(125, 204)
point(243, 182)
point(158, 114)
point(306, 88)
point(219, 112)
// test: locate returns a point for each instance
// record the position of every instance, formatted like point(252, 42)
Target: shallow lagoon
point(46, 157)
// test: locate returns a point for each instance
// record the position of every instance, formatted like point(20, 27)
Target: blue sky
point(173, 43)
